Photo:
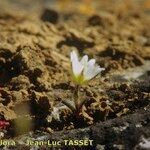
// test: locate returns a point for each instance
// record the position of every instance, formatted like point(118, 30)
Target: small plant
point(82, 72)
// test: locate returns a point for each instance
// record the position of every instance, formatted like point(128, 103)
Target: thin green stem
point(76, 97)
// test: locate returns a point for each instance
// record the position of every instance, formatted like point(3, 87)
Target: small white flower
point(84, 70)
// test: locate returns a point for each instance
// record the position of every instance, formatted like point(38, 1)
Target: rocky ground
point(36, 38)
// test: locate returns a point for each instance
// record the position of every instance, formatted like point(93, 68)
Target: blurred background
point(83, 6)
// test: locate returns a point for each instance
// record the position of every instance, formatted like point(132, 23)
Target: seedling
point(82, 71)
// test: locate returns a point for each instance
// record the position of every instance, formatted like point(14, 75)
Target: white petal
point(73, 56)
point(84, 60)
point(91, 62)
point(89, 74)
point(92, 71)
point(100, 69)
point(89, 65)
point(77, 67)
point(97, 70)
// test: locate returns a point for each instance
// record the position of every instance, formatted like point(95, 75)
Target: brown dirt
point(35, 44)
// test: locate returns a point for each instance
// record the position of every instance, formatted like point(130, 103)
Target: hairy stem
point(76, 97)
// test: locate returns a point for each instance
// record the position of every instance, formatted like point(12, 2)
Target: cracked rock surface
point(36, 38)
